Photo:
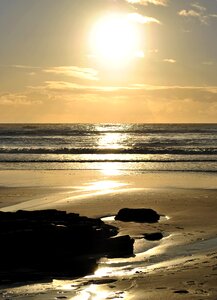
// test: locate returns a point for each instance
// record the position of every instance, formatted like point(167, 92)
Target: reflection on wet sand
point(67, 195)
point(131, 265)
point(104, 185)
point(111, 168)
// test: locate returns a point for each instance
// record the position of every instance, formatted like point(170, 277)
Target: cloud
point(15, 99)
point(143, 102)
point(24, 67)
point(138, 18)
point(189, 13)
point(170, 60)
point(64, 86)
point(146, 2)
point(198, 7)
point(59, 101)
point(209, 89)
point(198, 12)
point(208, 63)
point(74, 71)
point(69, 87)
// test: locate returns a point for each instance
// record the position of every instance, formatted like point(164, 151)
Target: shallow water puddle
point(94, 292)
point(112, 218)
point(203, 245)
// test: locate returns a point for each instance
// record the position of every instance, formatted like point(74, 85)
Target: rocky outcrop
point(141, 215)
point(44, 244)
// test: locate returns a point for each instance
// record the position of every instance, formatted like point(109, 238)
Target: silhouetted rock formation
point(155, 236)
point(141, 215)
point(38, 245)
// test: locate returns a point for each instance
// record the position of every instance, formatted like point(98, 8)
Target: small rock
point(103, 281)
point(120, 246)
point(140, 215)
point(155, 236)
point(181, 292)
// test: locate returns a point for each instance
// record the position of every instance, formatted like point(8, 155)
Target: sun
point(114, 39)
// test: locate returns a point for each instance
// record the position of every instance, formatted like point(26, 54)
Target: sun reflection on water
point(111, 141)
point(112, 137)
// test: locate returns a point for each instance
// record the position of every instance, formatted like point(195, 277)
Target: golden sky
point(108, 61)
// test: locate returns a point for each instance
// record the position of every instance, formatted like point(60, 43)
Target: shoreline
point(182, 263)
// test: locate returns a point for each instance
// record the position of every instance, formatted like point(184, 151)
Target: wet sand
point(181, 265)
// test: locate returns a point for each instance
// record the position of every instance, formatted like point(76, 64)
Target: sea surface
point(142, 147)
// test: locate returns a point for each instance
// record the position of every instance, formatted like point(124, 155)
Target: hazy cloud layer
point(64, 101)
point(74, 71)
point(146, 2)
point(64, 86)
point(24, 67)
point(10, 98)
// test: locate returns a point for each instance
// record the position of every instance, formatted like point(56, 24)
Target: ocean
point(111, 147)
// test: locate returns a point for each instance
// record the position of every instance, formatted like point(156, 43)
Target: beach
point(181, 265)
point(108, 150)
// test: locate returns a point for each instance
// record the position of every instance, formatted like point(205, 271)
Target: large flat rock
point(50, 243)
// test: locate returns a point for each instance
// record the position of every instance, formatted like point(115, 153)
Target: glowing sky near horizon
point(108, 61)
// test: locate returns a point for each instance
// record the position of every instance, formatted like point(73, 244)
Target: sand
point(181, 265)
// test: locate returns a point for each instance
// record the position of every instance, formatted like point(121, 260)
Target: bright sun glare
point(115, 39)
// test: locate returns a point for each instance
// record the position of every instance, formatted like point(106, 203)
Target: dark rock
point(103, 281)
point(155, 236)
point(181, 292)
point(120, 246)
point(37, 245)
point(141, 215)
